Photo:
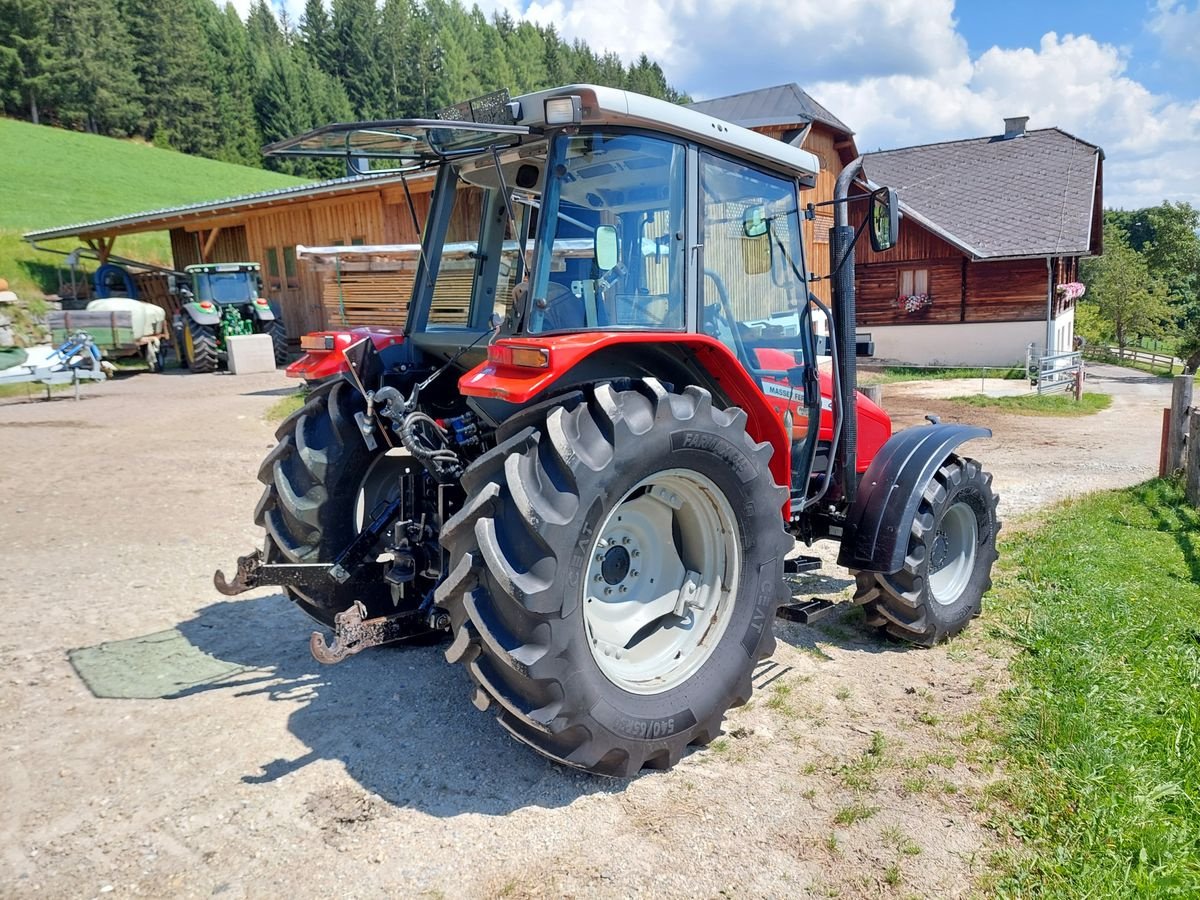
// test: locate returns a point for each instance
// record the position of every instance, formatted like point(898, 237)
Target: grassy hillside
point(51, 177)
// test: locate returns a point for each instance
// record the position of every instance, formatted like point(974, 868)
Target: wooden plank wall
point(1006, 291)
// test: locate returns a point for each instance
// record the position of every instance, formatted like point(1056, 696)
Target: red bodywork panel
point(874, 425)
point(765, 411)
point(317, 364)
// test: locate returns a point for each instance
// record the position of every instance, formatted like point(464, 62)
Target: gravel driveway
point(232, 764)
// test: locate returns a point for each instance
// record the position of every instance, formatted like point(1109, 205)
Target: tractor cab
point(226, 283)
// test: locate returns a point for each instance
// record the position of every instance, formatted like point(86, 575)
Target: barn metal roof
point(1025, 196)
point(784, 104)
point(169, 217)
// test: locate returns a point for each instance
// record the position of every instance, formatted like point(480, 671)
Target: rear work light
point(521, 357)
point(564, 110)
point(316, 342)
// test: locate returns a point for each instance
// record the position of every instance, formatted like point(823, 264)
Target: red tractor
point(598, 493)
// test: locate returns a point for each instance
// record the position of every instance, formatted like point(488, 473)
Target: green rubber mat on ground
point(149, 667)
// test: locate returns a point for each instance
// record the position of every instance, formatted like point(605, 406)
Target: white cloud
point(1178, 27)
point(1151, 142)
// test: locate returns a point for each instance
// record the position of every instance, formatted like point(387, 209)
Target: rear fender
point(202, 316)
point(875, 537)
point(317, 365)
point(579, 359)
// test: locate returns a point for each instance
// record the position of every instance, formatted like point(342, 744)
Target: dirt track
point(248, 770)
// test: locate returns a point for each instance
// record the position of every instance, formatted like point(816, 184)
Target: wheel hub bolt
point(624, 589)
point(607, 591)
point(636, 553)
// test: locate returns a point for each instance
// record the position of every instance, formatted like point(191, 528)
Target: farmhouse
point(988, 257)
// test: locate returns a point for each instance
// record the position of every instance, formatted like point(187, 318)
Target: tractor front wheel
point(948, 565)
point(614, 575)
point(200, 346)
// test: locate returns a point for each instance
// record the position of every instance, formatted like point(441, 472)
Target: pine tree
point(316, 35)
point(355, 39)
point(173, 62)
point(232, 66)
point(92, 86)
point(26, 54)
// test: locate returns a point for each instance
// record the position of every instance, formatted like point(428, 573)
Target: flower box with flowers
point(914, 303)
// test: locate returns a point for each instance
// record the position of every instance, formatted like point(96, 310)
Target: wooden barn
point(267, 227)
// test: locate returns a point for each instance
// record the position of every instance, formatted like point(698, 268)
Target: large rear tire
point(200, 345)
point(948, 565)
point(568, 526)
point(322, 481)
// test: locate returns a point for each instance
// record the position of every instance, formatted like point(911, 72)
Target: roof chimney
point(1014, 126)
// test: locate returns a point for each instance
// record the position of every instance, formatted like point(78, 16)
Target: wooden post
point(1162, 446)
point(1193, 463)
point(1181, 401)
point(873, 392)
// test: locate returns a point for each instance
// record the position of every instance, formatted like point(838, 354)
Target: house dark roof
point(785, 104)
point(1030, 195)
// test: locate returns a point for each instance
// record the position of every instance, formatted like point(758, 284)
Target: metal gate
point(1056, 372)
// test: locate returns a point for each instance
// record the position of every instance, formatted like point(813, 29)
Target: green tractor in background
point(220, 301)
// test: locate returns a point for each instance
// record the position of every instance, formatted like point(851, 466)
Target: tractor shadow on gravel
point(399, 718)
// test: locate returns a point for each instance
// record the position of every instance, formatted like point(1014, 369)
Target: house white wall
point(970, 344)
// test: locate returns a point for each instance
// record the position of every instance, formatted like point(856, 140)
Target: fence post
point(1181, 400)
point(873, 392)
point(1193, 462)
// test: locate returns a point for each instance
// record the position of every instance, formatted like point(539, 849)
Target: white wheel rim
point(661, 582)
point(952, 554)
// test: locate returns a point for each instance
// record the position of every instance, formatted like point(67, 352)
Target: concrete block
point(249, 353)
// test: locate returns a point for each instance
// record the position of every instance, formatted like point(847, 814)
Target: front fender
point(202, 316)
point(261, 310)
point(875, 537)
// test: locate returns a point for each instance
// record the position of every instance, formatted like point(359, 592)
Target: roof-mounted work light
point(564, 110)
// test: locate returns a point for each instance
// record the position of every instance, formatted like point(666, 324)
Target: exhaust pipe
point(841, 252)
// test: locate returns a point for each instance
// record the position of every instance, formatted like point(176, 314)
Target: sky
point(1123, 74)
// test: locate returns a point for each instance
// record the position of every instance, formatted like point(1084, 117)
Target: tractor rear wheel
point(948, 566)
point(614, 575)
point(278, 332)
point(200, 345)
point(322, 483)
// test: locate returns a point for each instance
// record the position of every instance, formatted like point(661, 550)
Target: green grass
point(51, 177)
point(894, 374)
point(1041, 404)
point(1102, 723)
point(285, 406)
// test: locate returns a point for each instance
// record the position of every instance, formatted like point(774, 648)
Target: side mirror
point(754, 221)
point(885, 219)
point(605, 246)
point(756, 246)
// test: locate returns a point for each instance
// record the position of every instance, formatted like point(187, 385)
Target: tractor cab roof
point(495, 121)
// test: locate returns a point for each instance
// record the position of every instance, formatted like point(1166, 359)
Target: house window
point(289, 262)
point(272, 262)
point(357, 241)
point(912, 282)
